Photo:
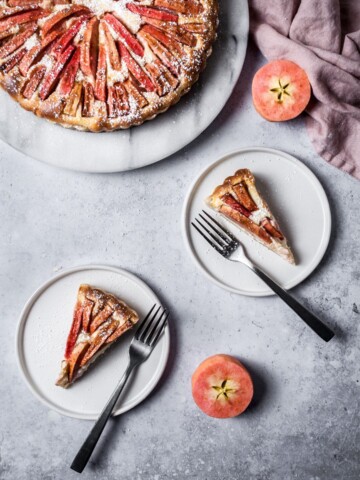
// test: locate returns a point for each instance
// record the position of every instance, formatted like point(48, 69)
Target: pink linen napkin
point(323, 37)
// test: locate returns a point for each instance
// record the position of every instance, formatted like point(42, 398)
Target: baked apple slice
point(240, 202)
point(135, 69)
point(187, 7)
point(130, 40)
point(157, 13)
point(99, 320)
point(68, 76)
point(222, 387)
point(89, 48)
point(12, 61)
point(17, 41)
point(36, 53)
point(56, 20)
point(110, 47)
point(100, 82)
point(53, 75)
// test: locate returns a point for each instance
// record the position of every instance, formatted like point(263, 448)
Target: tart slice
point(99, 320)
point(239, 201)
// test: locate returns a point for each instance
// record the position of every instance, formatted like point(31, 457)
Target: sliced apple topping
point(9, 33)
point(167, 41)
point(271, 229)
point(119, 331)
point(117, 100)
point(100, 83)
point(111, 49)
point(86, 318)
point(21, 18)
point(150, 12)
point(36, 53)
point(199, 28)
point(14, 60)
point(24, 3)
point(58, 18)
point(34, 81)
point(66, 38)
point(101, 317)
point(52, 77)
point(235, 215)
point(242, 193)
point(175, 31)
point(88, 102)
point(74, 100)
point(134, 92)
point(16, 10)
point(89, 48)
point(186, 7)
point(76, 358)
point(162, 87)
point(68, 76)
point(98, 339)
point(130, 40)
point(75, 329)
point(135, 69)
point(162, 53)
point(161, 77)
point(230, 200)
point(246, 205)
point(17, 41)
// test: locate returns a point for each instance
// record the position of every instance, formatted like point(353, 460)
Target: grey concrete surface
point(304, 421)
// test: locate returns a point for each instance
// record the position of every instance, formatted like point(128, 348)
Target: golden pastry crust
point(240, 202)
point(99, 320)
point(111, 65)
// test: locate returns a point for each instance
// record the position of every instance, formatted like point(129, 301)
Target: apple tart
point(99, 320)
point(103, 65)
point(239, 201)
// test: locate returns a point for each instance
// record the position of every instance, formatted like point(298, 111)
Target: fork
point(227, 245)
point(141, 346)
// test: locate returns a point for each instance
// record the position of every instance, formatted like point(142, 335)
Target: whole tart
point(103, 65)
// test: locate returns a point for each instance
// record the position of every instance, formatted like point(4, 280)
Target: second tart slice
point(99, 320)
point(239, 200)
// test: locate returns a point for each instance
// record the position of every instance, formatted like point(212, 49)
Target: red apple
point(281, 91)
point(222, 387)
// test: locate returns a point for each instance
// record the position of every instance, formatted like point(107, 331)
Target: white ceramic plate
point(296, 198)
point(168, 133)
point(42, 332)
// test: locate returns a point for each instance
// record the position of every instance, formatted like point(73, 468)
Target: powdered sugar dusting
point(31, 42)
point(166, 70)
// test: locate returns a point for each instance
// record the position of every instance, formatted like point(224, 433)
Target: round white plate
point(41, 337)
point(165, 135)
point(297, 200)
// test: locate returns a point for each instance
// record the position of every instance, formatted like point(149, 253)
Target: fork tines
point(215, 234)
point(152, 326)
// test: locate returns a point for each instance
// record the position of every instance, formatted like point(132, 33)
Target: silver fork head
point(151, 327)
point(216, 235)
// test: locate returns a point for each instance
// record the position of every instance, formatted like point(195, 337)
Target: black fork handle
point(309, 318)
point(84, 454)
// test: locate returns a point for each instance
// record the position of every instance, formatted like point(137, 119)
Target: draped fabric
point(323, 37)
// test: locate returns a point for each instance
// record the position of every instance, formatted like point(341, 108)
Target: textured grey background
point(304, 421)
